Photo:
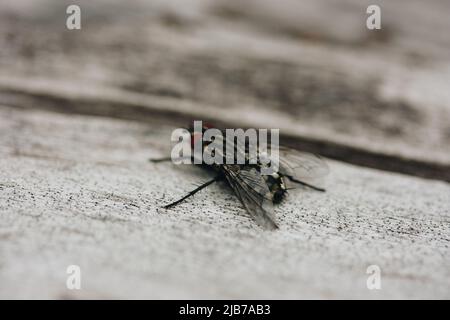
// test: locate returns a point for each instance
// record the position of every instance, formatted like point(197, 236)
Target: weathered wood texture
point(76, 189)
point(311, 68)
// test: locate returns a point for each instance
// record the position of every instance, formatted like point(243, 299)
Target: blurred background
point(310, 68)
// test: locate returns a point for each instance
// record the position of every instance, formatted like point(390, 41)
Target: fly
point(258, 193)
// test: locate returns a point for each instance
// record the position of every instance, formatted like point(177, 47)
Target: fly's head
point(196, 136)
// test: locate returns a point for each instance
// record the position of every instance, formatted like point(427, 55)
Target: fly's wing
point(251, 188)
point(302, 166)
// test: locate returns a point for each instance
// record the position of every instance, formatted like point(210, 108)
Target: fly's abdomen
point(276, 186)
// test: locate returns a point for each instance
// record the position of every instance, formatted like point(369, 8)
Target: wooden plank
point(79, 190)
point(325, 78)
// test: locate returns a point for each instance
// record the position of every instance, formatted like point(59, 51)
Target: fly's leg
point(156, 160)
point(193, 192)
point(160, 159)
point(306, 184)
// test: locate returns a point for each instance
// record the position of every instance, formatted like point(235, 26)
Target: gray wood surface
point(78, 190)
point(82, 111)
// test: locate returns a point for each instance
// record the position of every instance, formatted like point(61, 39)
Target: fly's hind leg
point(306, 184)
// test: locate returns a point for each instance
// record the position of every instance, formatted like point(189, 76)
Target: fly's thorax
point(234, 156)
point(213, 146)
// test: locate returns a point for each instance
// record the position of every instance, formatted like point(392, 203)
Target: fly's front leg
point(156, 160)
point(193, 192)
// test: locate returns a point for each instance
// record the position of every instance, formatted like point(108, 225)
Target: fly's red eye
point(195, 138)
point(207, 125)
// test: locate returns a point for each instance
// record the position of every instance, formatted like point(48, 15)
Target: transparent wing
point(251, 188)
point(302, 166)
